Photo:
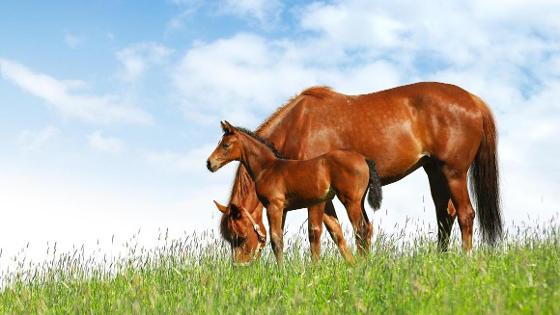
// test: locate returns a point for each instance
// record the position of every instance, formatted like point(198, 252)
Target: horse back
point(395, 127)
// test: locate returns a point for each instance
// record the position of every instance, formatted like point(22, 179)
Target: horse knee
point(369, 230)
point(315, 232)
point(466, 216)
point(275, 238)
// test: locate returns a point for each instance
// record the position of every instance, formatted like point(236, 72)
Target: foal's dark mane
point(261, 140)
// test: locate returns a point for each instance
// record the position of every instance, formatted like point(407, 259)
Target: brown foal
point(282, 185)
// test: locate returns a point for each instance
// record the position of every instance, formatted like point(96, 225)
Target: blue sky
point(108, 109)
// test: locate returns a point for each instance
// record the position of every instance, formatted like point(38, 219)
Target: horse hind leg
point(330, 219)
point(368, 230)
point(445, 211)
point(457, 182)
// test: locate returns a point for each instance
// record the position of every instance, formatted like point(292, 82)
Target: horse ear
point(227, 127)
point(220, 207)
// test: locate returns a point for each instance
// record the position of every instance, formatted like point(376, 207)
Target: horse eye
point(225, 145)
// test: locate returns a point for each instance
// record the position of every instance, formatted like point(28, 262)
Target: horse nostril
point(208, 165)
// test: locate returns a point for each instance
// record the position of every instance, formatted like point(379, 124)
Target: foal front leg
point(274, 213)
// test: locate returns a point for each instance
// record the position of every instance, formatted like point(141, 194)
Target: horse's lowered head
point(243, 230)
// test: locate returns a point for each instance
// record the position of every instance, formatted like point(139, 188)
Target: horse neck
point(256, 156)
point(243, 189)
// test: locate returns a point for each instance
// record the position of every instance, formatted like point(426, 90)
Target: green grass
point(402, 277)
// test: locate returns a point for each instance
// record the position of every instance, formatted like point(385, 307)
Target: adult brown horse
point(440, 127)
point(283, 185)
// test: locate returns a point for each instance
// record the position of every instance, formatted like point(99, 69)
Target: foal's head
point(229, 148)
point(244, 231)
point(242, 228)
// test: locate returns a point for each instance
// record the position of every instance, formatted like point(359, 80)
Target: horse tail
point(374, 186)
point(484, 181)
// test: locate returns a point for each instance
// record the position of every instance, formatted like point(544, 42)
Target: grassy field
point(190, 276)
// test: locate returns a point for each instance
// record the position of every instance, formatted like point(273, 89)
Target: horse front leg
point(275, 213)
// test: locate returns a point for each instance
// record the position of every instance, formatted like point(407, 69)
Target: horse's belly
point(395, 148)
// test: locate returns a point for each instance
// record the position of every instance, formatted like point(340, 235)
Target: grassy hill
point(190, 276)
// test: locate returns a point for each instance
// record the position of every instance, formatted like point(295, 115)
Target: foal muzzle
point(211, 166)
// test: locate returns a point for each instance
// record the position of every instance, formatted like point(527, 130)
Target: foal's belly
point(298, 201)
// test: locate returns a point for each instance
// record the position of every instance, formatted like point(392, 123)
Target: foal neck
point(256, 156)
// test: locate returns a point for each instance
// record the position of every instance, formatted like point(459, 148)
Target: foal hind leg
point(315, 229)
point(445, 211)
point(330, 219)
point(457, 181)
point(360, 223)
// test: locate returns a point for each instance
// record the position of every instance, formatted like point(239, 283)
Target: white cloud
point(73, 41)
point(65, 96)
point(520, 12)
point(105, 143)
point(191, 162)
point(266, 12)
point(32, 140)
point(138, 58)
point(341, 22)
point(245, 76)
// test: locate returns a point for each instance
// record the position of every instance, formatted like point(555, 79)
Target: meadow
point(194, 275)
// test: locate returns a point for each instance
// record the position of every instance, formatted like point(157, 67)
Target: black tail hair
point(375, 194)
point(485, 183)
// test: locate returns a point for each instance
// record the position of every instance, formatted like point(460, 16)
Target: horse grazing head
point(229, 148)
point(244, 231)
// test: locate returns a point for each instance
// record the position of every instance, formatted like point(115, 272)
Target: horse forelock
point(225, 228)
point(228, 228)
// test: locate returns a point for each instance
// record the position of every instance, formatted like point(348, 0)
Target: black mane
point(225, 228)
point(261, 140)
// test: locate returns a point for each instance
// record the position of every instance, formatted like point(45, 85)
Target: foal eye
point(225, 145)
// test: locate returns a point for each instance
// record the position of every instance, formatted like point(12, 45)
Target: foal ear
point(220, 207)
point(227, 127)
